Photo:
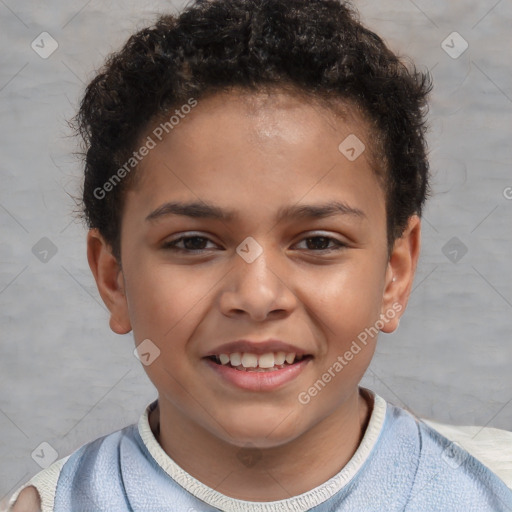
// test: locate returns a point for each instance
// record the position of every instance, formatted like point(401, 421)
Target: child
point(254, 182)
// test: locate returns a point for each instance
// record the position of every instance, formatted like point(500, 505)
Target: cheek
point(346, 304)
point(164, 299)
point(166, 303)
point(346, 299)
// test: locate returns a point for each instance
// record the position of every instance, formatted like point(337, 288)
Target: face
point(250, 238)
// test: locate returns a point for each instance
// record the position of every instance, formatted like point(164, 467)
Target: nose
point(257, 291)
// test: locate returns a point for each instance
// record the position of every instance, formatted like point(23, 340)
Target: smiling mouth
point(248, 362)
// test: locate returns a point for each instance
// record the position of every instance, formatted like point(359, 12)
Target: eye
point(195, 243)
point(322, 243)
point(199, 243)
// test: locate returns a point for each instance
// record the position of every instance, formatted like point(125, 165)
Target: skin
point(255, 154)
point(28, 501)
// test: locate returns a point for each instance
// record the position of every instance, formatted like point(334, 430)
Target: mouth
point(263, 372)
point(258, 363)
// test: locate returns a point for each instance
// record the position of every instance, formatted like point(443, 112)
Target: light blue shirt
point(401, 465)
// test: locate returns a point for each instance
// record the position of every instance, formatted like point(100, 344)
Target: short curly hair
point(317, 47)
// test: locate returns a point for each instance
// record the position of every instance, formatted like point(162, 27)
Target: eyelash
point(172, 245)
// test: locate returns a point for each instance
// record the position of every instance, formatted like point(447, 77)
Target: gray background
point(65, 378)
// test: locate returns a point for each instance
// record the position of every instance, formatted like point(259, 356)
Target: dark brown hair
point(316, 46)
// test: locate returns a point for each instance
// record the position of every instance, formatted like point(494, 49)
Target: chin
point(259, 431)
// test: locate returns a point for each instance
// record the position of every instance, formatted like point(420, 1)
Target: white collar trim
point(300, 503)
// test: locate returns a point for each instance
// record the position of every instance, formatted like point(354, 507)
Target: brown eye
point(321, 243)
point(318, 243)
point(189, 244)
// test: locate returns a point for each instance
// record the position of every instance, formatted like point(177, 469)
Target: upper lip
point(256, 347)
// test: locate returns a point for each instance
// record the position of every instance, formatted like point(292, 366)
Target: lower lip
point(259, 381)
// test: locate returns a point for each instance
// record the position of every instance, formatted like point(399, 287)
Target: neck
point(268, 474)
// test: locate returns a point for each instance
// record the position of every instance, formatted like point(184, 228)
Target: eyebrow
point(201, 210)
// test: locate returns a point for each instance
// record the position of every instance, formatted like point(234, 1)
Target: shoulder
point(28, 500)
point(449, 476)
point(94, 458)
point(39, 489)
point(491, 446)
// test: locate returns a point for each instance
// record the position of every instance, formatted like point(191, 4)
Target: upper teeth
point(268, 360)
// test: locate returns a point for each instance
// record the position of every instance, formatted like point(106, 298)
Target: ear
point(400, 273)
point(109, 278)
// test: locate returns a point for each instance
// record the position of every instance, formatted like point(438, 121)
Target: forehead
point(238, 148)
